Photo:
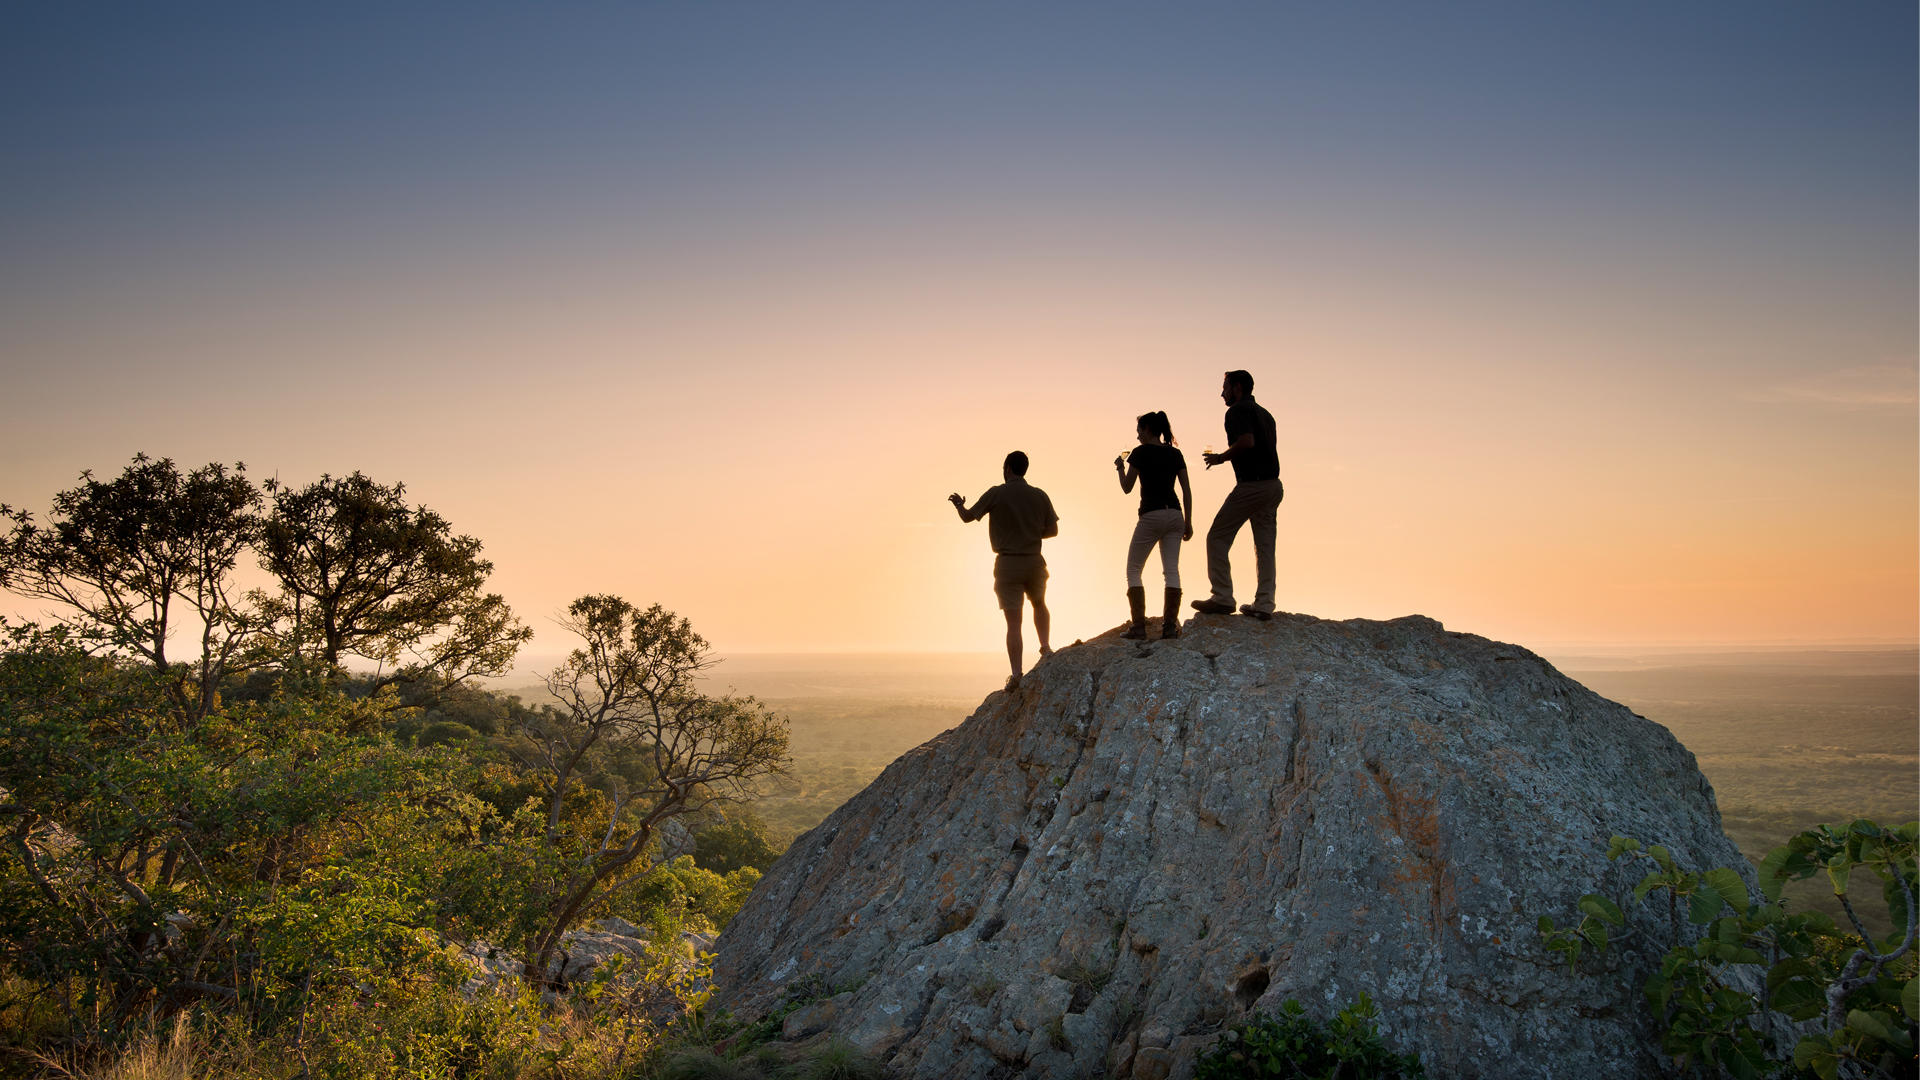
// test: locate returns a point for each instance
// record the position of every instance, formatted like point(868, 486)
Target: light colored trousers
point(1252, 502)
point(1161, 527)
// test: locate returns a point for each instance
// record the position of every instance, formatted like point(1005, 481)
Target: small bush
point(703, 1064)
point(1296, 1046)
point(840, 1060)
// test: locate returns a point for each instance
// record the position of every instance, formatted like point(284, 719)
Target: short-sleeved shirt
point(1158, 464)
point(1261, 461)
point(1018, 516)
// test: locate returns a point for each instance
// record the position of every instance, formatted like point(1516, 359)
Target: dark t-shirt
point(1018, 515)
point(1158, 464)
point(1261, 461)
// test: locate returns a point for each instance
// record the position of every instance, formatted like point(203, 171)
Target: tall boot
point(1137, 601)
point(1170, 618)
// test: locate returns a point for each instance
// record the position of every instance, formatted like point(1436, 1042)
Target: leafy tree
point(631, 689)
point(247, 856)
point(734, 838)
point(131, 559)
point(1860, 994)
point(362, 573)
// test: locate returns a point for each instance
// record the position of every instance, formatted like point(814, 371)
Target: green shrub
point(840, 1059)
point(736, 839)
point(1294, 1045)
point(1862, 992)
point(707, 900)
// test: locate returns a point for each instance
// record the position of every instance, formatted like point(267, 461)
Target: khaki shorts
point(1015, 576)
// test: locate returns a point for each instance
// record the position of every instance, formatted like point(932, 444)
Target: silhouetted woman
point(1155, 464)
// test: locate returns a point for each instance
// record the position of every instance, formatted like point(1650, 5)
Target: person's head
point(1153, 427)
point(1235, 385)
point(1015, 465)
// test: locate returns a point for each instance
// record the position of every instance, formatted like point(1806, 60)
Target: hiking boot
point(1170, 616)
point(1211, 606)
point(1137, 604)
point(1255, 613)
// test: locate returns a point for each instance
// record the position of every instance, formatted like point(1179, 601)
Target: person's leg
point(1144, 534)
point(1226, 523)
point(1170, 548)
point(1008, 592)
point(1014, 645)
point(1264, 528)
point(1170, 570)
point(1042, 619)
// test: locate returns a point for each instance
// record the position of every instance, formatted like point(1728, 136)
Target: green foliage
point(708, 901)
point(839, 1059)
point(262, 862)
point(629, 693)
point(362, 573)
point(131, 560)
point(1859, 989)
point(735, 838)
point(154, 859)
point(1293, 1044)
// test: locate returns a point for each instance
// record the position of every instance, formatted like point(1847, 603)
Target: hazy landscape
point(1788, 738)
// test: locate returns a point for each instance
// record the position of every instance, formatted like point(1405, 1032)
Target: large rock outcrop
point(1096, 873)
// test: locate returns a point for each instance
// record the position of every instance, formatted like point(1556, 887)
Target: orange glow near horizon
point(780, 479)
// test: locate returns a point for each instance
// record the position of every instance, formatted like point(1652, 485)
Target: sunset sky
point(1582, 324)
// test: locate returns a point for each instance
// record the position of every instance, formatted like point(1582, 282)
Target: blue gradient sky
point(1584, 323)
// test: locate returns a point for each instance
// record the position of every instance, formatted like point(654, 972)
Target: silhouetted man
point(1019, 516)
point(1254, 500)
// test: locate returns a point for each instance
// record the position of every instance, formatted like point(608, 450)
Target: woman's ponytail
point(1156, 424)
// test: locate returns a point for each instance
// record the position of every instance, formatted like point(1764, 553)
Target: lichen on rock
point(1095, 874)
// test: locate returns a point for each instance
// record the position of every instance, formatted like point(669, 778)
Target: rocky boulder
point(1097, 873)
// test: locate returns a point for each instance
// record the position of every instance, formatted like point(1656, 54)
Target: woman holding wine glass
point(1154, 465)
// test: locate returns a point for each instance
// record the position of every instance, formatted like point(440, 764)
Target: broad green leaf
point(1839, 871)
point(1868, 1023)
point(1705, 906)
point(1799, 1000)
point(1791, 968)
point(1727, 883)
point(1910, 998)
point(1662, 856)
point(1647, 885)
point(1602, 908)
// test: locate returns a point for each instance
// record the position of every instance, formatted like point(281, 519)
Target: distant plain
point(1788, 738)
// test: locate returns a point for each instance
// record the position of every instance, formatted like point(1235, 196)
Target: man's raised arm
point(960, 505)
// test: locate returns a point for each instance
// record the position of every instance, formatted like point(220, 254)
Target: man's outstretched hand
point(956, 499)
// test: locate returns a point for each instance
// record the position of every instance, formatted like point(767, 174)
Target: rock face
point(1097, 873)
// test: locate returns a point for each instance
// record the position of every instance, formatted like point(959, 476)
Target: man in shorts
point(1254, 500)
point(1019, 516)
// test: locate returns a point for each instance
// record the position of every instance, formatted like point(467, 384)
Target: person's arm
point(1244, 442)
point(1186, 498)
point(977, 511)
point(1128, 474)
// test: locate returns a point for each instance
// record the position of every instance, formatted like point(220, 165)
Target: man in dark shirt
point(1019, 516)
point(1254, 500)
